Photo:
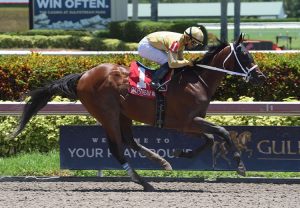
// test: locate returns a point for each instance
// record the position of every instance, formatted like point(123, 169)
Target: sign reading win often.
point(70, 14)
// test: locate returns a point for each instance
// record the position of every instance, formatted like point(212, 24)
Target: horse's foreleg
point(220, 131)
point(128, 138)
point(195, 152)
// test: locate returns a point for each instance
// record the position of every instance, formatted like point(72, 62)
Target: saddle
point(140, 77)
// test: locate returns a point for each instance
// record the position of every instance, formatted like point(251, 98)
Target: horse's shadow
point(118, 190)
point(130, 190)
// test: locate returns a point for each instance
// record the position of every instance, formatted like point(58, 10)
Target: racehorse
point(103, 91)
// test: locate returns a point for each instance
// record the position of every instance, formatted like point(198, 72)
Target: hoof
point(148, 188)
point(167, 166)
point(241, 169)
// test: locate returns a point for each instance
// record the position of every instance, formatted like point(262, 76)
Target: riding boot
point(159, 75)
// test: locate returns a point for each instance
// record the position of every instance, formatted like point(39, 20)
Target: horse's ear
point(240, 39)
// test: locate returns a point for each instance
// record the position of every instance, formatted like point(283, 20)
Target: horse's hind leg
point(117, 149)
point(119, 155)
point(108, 116)
point(209, 140)
point(127, 136)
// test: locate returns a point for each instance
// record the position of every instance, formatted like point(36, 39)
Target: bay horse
point(103, 91)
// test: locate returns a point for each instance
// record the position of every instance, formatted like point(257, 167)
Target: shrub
point(65, 42)
point(41, 134)
point(21, 73)
point(50, 32)
point(283, 79)
point(134, 31)
point(128, 31)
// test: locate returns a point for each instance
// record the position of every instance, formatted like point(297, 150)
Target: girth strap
point(160, 110)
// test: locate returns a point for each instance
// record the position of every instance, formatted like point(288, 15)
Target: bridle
point(246, 72)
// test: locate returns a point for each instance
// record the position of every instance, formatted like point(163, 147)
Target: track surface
point(127, 194)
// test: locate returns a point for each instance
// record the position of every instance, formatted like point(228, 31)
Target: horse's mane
point(208, 56)
point(212, 51)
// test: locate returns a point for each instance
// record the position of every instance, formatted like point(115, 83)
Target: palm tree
point(237, 18)
point(154, 10)
point(135, 10)
point(224, 31)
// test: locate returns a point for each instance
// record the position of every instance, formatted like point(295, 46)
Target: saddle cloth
point(140, 77)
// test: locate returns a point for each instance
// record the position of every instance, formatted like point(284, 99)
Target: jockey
point(166, 49)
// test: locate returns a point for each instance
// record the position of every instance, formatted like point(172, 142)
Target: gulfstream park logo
point(241, 141)
point(71, 4)
point(283, 148)
point(276, 148)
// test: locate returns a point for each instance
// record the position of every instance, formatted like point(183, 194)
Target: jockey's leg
point(159, 75)
point(147, 51)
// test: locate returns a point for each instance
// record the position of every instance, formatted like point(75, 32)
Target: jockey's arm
point(176, 60)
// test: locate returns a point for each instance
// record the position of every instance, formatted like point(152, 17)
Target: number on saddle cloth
point(140, 78)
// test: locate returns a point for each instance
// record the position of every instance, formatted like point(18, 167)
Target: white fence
point(215, 108)
point(94, 53)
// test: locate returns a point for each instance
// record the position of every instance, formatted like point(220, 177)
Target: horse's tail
point(65, 87)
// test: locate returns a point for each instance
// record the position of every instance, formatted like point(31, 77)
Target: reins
point(246, 71)
point(245, 74)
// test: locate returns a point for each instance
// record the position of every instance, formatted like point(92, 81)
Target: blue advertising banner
point(263, 148)
point(70, 14)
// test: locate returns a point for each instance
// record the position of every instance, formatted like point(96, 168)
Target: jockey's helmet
point(195, 34)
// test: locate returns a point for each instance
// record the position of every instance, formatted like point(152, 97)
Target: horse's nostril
point(262, 77)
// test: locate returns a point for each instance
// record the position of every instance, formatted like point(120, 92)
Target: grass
point(38, 164)
point(267, 34)
point(14, 19)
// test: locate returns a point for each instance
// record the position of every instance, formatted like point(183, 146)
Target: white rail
point(215, 108)
point(94, 53)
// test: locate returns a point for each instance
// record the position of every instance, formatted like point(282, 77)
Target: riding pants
point(147, 51)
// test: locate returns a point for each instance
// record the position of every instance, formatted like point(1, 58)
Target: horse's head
point(232, 59)
point(244, 63)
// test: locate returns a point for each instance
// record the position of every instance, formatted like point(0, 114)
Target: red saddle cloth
point(139, 80)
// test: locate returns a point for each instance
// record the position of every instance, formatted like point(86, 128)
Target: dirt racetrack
point(127, 194)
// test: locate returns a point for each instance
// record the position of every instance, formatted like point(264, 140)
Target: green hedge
point(283, 79)
point(18, 74)
point(134, 31)
point(64, 41)
point(120, 36)
point(48, 32)
point(41, 134)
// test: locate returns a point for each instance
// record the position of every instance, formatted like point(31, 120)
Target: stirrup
point(155, 85)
